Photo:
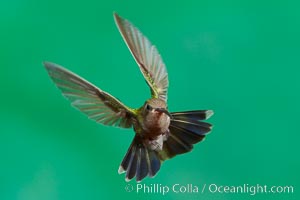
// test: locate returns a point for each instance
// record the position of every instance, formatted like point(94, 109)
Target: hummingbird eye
point(148, 107)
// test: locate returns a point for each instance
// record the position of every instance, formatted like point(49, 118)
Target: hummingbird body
point(159, 135)
point(153, 123)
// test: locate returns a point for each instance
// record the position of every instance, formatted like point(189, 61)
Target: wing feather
point(95, 103)
point(146, 56)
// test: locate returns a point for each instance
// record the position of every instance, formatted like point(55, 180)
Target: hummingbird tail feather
point(194, 114)
point(186, 129)
point(139, 161)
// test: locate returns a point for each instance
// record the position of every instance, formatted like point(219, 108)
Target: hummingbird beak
point(163, 110)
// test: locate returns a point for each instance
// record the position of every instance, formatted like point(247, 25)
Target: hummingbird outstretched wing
point(95, 103)
point(146, 56)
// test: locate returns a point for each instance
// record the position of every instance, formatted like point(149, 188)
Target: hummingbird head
point(156, 107)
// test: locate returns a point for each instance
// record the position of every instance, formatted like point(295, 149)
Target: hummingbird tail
point(186, 129)
point(139, 161)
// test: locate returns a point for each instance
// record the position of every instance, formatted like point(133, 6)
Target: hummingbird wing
point(146, 56)
point(95, 103)
point(186, 129)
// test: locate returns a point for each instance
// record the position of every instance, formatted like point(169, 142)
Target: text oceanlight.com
point(208, 188)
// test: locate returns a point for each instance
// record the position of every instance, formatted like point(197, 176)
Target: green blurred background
point(239, 58)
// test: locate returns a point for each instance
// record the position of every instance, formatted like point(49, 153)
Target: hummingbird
point(159, 134)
